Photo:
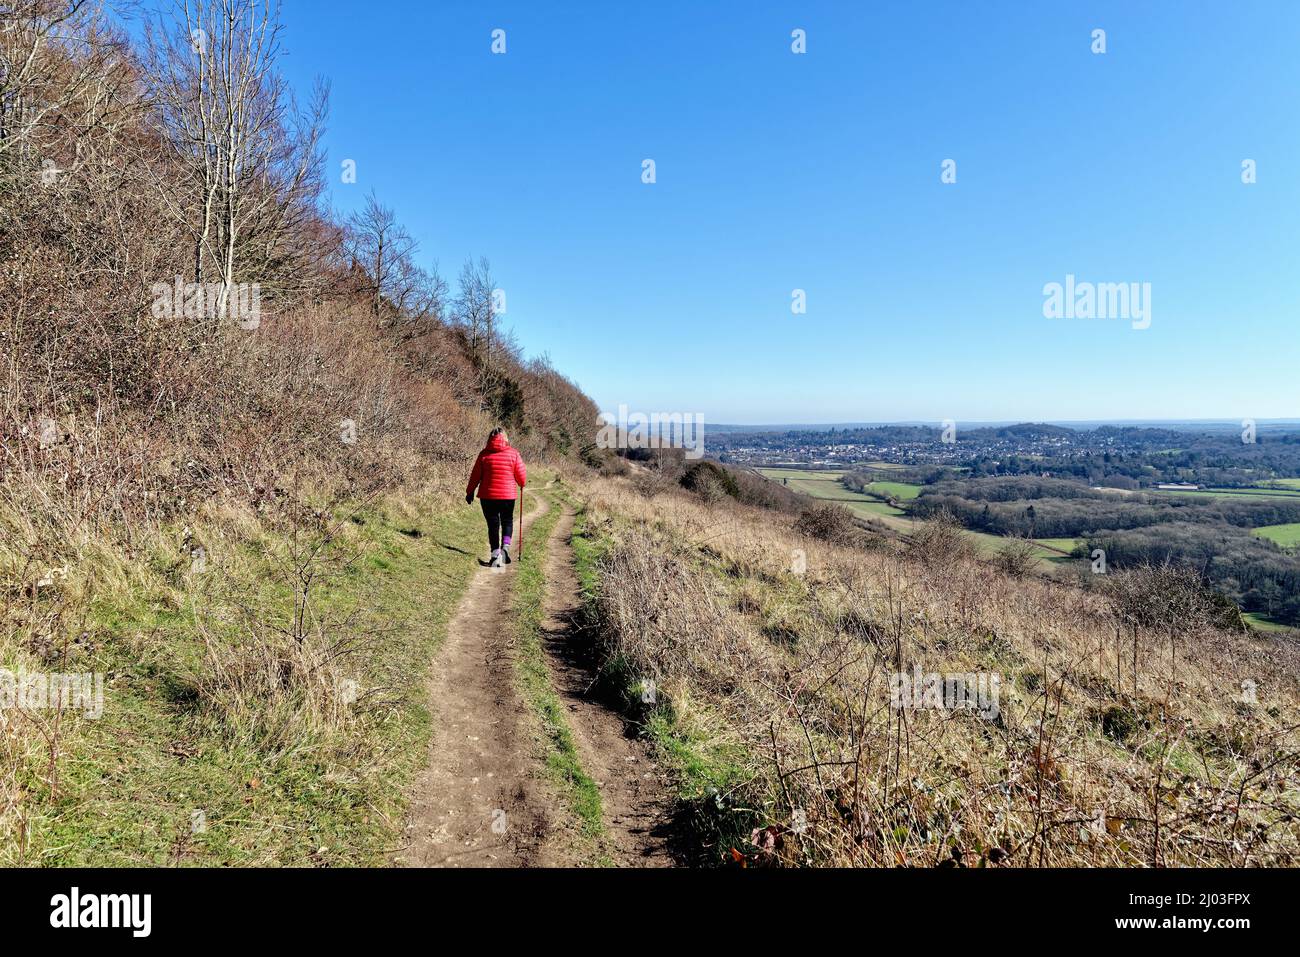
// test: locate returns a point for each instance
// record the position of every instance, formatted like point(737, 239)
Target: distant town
point(1185, 457)
point(909, 445)
point(1222, 500)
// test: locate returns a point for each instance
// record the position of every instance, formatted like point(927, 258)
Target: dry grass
point(251, 657)
point(142, 436)
point(1116, 743)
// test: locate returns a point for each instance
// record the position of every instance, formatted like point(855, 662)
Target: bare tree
point(475, 315)
point(59, 72)
point(423, 297)
point(253, 158)
point(385, 252)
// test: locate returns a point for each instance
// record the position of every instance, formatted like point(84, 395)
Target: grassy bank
point(707, 768)
point(1108, 742)
point(563, 765)
point(242, 725)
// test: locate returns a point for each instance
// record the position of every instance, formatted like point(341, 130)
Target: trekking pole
point(521, 523)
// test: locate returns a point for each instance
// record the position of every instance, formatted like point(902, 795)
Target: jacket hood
point(497, 443)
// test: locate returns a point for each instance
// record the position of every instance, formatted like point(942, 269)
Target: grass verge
point(563, 766)
point(707, 773)
point(183, 768)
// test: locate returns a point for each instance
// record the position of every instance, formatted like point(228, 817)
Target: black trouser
point(500, 515)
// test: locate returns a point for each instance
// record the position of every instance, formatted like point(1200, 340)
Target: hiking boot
point(505, 553)
point(496, 560)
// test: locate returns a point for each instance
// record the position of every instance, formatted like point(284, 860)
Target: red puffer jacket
point(497, 470)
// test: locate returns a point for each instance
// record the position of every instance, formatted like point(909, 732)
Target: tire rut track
point(635, 795)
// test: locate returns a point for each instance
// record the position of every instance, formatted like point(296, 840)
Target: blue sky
point(821, 172)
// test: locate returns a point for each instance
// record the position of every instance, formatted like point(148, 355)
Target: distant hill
point(1189, 425)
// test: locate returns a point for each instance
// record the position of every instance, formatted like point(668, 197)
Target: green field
point(902, 491)
point(894, 518)
point(1293, 483)
point(1057, 550)
point(1259, 622)
point(1061, 544)
point(780, 473)
point(989, 545)
point(825, 484)
point(1288, 536)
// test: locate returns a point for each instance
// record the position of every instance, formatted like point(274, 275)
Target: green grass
point(989, 545)
point(271, 791)
point(1262, 623)
point(902, 491)
point(588, 550)
point(1058, 550)
point(1063, 544)
point(870, 508)
point(562, 761)
point(698, 765)
point(1288, 536)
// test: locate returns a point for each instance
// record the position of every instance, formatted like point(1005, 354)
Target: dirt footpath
point(479, 802)
point(482, 801)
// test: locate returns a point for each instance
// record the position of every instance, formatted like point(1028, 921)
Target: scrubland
point(234, 429)
point(1131, 728)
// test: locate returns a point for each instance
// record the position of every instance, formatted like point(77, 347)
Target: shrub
point(1016, 558)
point(829, 523)
point(941, 541)
point(710, 481)
point(1171, 598)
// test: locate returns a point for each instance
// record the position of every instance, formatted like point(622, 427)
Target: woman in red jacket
point(497, 470)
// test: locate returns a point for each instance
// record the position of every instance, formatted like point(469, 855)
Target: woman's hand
point(469, 499)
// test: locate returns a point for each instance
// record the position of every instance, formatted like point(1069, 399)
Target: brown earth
point(482, 801)
point(479, 803)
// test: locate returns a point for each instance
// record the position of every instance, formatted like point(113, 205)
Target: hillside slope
point(234, 432)
point(1125, 729)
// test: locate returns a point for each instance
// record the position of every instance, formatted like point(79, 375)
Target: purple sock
point(505, 540)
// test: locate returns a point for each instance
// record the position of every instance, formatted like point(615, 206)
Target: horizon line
point(1235, 422)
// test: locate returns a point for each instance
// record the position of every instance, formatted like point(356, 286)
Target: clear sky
point(778, 171)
